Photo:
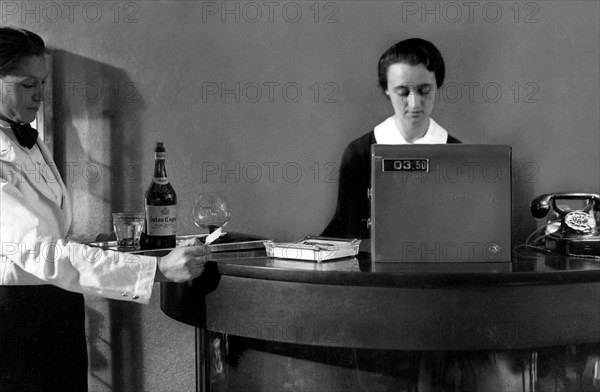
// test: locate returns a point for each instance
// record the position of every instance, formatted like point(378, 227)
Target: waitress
point(42, 271)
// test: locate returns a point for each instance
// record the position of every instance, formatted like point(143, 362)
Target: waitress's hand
point(183, 263)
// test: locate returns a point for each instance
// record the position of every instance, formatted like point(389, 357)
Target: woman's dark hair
point(15, 44)
point(412, 51)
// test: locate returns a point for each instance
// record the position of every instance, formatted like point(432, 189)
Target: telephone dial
point(578, 233)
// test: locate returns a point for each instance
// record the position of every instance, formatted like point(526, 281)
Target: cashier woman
point(43, 271)
point(410, 73)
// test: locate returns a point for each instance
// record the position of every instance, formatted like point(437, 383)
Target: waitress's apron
point(42, 340)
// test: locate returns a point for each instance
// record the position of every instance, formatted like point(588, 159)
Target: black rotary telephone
point(578, 233)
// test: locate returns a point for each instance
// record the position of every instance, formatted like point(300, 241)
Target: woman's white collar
point(387, 133)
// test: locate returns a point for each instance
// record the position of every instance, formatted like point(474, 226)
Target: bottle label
point(160, 180)
point(160, 155)
point(161, 220)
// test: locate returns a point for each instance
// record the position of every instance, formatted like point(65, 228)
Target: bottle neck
point(160, 170)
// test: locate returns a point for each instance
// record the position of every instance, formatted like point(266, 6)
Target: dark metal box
point(441, 203)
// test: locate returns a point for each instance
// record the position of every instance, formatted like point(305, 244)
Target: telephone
point(578, 233)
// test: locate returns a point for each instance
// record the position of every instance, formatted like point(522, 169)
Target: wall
point(258, 99)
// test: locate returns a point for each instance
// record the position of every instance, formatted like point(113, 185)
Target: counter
point(279, 310)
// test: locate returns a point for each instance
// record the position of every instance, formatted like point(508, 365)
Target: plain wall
point(259, 99)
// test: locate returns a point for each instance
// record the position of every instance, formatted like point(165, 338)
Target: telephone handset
point(578, 233)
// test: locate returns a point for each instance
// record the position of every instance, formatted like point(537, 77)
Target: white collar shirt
point(387, 133)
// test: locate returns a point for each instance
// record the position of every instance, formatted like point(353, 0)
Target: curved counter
point(537, 300)
point(266, 324)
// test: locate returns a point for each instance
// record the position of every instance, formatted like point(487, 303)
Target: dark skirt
point(42, 339)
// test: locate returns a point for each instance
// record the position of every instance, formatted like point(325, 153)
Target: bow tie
point(26, 135)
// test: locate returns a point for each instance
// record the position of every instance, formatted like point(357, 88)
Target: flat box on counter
point(441, 203)
point(313, 249)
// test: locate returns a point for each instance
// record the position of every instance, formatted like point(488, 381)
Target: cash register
point(447, 203)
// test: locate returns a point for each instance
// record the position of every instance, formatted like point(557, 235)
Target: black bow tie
point(26, 135)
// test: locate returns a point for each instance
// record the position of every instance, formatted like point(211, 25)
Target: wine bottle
point(160, 202)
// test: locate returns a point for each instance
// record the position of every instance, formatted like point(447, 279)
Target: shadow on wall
point(97, 131)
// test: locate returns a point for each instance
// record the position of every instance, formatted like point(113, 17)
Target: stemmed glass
point(211, 212)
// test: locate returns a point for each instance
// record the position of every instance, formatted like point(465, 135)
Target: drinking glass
point(211, 211)
point(128, 229)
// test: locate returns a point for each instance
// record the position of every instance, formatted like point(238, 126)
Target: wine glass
point(211, 211)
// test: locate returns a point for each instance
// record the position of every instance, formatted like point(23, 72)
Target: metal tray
point(231, 242)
